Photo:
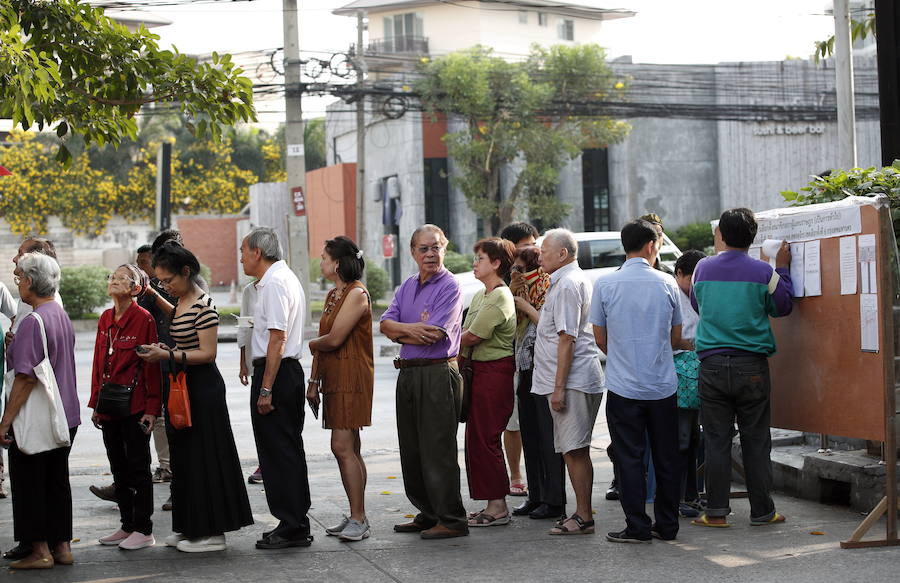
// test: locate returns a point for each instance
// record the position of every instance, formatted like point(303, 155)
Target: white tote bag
point(41, 424)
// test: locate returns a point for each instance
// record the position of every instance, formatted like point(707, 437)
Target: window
point(542, 19)
point(523, 17)
point(401, 31)
point(565, 29)
point(600, 253)
point(595, 189)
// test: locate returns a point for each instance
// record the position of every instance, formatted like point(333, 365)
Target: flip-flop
point(776, 518)
point(702, 520)
point(518, 490)
point(484, 519)
point(582, 526)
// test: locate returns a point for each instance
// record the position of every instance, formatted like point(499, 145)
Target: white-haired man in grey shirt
point(567, 370)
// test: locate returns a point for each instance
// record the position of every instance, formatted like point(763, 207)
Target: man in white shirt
point(244, 339)
point(567, 370)
point(277, 391)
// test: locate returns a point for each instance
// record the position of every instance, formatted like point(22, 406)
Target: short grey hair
point(429, 228)
point(564, 238)
point(43, 271)
point(266, 240)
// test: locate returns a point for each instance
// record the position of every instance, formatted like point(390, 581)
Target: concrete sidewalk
point(521, 551)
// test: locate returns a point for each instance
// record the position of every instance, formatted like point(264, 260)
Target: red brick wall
point(214, 241)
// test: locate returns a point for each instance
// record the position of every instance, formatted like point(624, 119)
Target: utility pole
point(295, 161)
point(843, 56)
point(360, 63)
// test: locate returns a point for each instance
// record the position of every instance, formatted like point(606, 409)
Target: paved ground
point(519, 552)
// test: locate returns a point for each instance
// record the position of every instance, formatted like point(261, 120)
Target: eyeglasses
point(111, 278)
point(434, 248)
point(168, 280)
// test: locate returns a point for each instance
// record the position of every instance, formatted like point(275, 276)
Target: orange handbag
point(179, 404)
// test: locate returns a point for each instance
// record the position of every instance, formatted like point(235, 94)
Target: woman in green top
point(487, 338)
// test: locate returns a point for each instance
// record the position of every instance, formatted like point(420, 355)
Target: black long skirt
point(208, 492)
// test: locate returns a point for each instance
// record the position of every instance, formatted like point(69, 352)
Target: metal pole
point(360, 134)
point(164, 186)
point(844, 85)
point(295, 161)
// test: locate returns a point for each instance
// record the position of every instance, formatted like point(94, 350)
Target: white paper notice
point(753, 252)
point(868, 274)
point(797, 268)
point(868, 319)
point(848, 266)
point(812, 269)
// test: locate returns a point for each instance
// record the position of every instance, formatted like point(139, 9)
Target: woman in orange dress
point(343, 373)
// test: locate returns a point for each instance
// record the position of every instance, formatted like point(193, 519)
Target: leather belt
point(400, 363)
point(261, 361)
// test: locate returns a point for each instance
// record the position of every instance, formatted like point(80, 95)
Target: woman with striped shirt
point(208, 493)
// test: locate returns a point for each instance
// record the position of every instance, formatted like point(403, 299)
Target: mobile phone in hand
point(140, 348)
point(145, 426)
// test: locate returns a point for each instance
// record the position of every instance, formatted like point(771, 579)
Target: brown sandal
point(583, 526)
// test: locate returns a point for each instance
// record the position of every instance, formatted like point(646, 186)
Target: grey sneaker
point(338, 528)
point(355, 530)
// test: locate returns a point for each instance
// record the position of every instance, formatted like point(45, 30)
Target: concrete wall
point(331, 204)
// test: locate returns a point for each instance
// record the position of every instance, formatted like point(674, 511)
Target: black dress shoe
point(546, 511)
point(526, 508)
point(278, 541)
point(612, 493)
point(18, 552)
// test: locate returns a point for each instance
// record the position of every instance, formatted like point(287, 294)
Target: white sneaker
point(202, 545)
point(173, 539)
point(355, 530)
point(137, 540)
point(337, 528)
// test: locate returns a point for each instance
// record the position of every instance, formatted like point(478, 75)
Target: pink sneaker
point(115, 538)
point(137, 540)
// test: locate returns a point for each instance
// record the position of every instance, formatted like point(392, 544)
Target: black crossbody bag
point(114, 400)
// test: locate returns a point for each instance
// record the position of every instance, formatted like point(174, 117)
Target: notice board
point(826, 376)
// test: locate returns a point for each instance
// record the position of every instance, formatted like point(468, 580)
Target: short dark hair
point(638, 233)
point(688, 261)
point(40, 245)
point(530, 256)
point(350, 262)
point(164, 237)
point(172, 257)
point(515, 232)
point(497, 249)
point(738, 227)
point(145, 249)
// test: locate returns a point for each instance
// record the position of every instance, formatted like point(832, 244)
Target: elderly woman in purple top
point(425, 317)
point(42, 498)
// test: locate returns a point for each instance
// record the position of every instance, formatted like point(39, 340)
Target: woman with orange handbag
point(208, 493)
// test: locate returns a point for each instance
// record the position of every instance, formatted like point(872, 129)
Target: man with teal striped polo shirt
point(735, 295)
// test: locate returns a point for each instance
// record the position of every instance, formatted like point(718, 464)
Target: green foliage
point(855, 182)
point(457, 262)
point(314, 143)
point(64, 62)
point(83, 289)
point(377, 281)
point(693, 236)
point(206, 274)
point(859, 29)
point(226, 315)
point(526, 113)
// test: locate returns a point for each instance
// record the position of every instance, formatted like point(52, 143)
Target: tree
point(524, 114)
point(314, 143)
point(63, 62)
point(859, 29)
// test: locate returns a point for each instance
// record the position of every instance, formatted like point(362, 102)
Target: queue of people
point(530, 345)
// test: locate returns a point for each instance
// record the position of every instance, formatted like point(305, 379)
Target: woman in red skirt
point(487, 337)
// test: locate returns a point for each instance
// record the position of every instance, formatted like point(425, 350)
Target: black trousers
point(544, 468)
point(279, 445)
point(737, 387)
point(688, 443)
point(128, 450)
point(631, 423)
point(41, 494)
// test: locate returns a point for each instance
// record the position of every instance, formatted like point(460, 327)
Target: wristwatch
point(264, 392)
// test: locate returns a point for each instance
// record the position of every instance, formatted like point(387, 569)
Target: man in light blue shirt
point(636, 315)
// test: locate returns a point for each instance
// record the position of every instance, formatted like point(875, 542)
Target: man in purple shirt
point(425, 317)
